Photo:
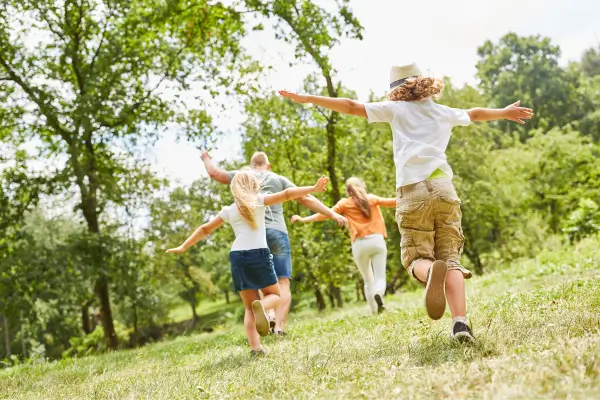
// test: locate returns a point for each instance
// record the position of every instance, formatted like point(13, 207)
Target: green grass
point(183, 312)
point(537, 323)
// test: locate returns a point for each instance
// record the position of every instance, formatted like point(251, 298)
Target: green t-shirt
point(438, 173)
point(271, 183)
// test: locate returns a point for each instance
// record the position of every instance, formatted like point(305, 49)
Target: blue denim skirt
point(252, 269)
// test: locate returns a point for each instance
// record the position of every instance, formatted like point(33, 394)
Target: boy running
point(427, 207)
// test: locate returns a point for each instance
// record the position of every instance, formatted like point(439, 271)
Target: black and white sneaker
point(462, 332)
point(271, 319)
point(435, 290)
point(380, 306)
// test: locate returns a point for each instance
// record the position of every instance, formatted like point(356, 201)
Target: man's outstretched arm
point(215, 172)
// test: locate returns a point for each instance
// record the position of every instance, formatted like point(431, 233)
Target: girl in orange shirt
point(367, 232)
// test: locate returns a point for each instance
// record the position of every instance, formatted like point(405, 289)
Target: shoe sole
point(260, 318)
point(380, 306)
point(464, 337)
point(435, 291)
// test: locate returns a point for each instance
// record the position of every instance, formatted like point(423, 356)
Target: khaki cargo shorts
point(428, 216)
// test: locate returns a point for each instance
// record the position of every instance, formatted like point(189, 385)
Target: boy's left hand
point(518, 114)
point(298, 98)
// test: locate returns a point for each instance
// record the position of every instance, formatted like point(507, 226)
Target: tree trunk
point(23, 347)
point(477, 264)
point(331, 158)
point(6, 335)
point(85, 319)
point(135, 337)
point(337, 295)
point(112, 342)
point(391, 287)
point(320, 299)
point(227, 296)
point(194, 304)
point(90, 212)
point(357, 290)
point(331, 298)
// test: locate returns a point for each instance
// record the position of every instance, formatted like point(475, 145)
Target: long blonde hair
point(417, 88)
point(358, 191)
point(245, 187)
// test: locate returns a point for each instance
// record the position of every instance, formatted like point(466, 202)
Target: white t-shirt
point(246, 238)
point(421, 132)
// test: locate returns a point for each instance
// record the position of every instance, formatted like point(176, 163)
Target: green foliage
point(82, 346)
point(527, 69)
point(590, 62)
point(583, 222)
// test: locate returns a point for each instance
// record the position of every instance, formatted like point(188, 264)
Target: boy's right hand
point(296, 218)
point(518, 114)
point(321, 184)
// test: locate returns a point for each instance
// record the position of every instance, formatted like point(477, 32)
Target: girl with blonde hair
point(368, 233)
point(251, 262)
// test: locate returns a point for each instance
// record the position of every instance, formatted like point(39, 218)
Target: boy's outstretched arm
point(216, 173)
point(512, 113)
point(345, 106)
point(199, 234)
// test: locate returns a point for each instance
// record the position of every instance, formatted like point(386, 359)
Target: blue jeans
point(279, 245)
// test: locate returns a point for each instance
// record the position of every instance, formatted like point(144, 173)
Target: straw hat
point(399, 74)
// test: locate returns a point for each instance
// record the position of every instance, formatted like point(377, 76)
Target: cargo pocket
point(408, 250)
point(405, 214)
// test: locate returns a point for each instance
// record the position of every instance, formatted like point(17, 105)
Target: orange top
point(359, 225)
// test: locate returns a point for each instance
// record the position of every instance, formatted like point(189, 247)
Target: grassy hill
point(537, 324)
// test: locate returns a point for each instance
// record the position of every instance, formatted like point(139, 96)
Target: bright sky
point(441, 36)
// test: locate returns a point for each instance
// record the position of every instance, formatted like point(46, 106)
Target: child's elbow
point(474, 114)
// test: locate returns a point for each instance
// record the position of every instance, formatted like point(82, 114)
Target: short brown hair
point(418, 88)
point(259, 159)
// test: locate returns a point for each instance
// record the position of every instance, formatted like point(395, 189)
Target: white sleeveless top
point(246, 238)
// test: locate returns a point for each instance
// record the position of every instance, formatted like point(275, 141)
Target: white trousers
point(370, 255)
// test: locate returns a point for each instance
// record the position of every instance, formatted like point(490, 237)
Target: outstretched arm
point(345, 106)
point(216, 173)
point(315, 205)
point(388, 202)
point(199, 234)
point(295, 192)
point(512, 113)
point(312, 218)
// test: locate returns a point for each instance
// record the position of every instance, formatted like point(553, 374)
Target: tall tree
point(527, 68)
point(590, 62)
point(314, 32)
point(86, 79)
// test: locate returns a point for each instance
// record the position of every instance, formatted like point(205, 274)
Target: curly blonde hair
point(417, 88)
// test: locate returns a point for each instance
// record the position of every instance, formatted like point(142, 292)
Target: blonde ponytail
point(245, 187)
point(358, 191)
